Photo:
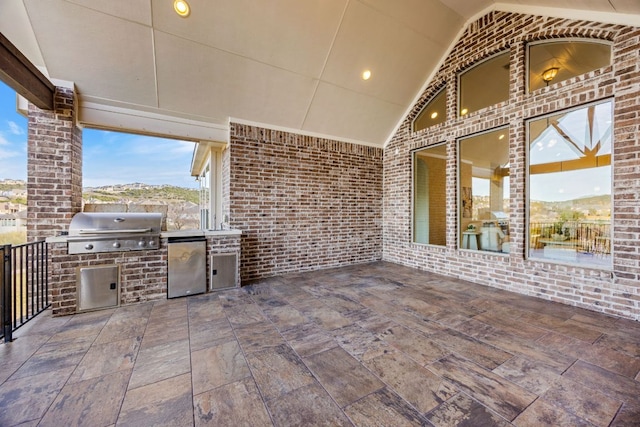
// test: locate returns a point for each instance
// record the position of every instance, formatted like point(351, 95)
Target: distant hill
point(14, 191)
point(138, 192)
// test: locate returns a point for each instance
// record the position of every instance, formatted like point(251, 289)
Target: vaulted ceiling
point(290, 64)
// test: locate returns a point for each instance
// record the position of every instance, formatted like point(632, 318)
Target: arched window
point(553, 61)
point(435, 112)
point(484, 85)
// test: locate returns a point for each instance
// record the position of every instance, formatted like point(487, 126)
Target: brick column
point(54, 167)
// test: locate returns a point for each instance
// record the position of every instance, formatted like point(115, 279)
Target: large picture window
point(429, 195)
point(483, 168)
point(569, 207)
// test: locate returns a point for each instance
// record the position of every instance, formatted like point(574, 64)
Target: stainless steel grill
point(91, 232)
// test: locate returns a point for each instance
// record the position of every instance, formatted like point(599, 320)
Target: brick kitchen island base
point(143, 274)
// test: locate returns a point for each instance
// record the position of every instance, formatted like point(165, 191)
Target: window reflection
point(570, 186)
point(484, 192)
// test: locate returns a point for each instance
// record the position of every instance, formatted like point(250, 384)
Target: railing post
point(7, 315)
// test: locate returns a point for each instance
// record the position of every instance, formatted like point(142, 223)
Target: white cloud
point(3, 140)
point(15, 128)
point(6, 154)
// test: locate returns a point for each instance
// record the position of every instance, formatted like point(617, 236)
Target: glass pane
point(205, 198)
point(570, 186)
point(485, 84)
point(435, 112)
point(484, 191)
point(555, 61)
point(429, 195)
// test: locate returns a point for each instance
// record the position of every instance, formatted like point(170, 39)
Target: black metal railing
point(25, 284)
point(588, 236)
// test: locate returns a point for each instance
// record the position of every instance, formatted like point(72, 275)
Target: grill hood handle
point(119, 231)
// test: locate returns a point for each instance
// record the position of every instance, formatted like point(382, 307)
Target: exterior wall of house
point(54, 167)
point(302, 203)
point(615, 291)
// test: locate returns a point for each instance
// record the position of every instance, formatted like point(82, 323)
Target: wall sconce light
point(182, 8)
point(549, 74)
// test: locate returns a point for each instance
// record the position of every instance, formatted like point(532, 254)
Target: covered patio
point(369, 344)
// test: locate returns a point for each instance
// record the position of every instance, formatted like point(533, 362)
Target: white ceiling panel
point(199, 79)
point(13, 22)
point(626, 6)
point(291, 34)
point(399, 58)
point(105, 56)
point(290, 64)
point(352, 115)
point(431, 18)
point(467, 8)
point(132, 10)
point(595, 5)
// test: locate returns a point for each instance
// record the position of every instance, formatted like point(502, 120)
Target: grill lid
point(87, 224)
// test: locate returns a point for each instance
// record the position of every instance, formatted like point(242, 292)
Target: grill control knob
point(88, 246)
point(142, 243)
point(116, 244)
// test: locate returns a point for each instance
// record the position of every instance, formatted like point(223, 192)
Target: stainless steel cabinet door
point(98, 287)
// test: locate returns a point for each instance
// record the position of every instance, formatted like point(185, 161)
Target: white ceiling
point(290, 64)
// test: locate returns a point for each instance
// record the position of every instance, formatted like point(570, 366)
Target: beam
point(23, 77)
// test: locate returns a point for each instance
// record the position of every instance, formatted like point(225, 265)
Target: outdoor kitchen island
point(142, 273)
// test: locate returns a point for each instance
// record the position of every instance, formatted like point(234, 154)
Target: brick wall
point(54, 167)
point(143, 274)
point(615, 292)
point(303, 203)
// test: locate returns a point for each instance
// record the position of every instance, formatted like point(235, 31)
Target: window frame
point(441, 91)
point(459, 230)
point(527, 61)
point(460, 73)
point(527, 215)
point(414, 153)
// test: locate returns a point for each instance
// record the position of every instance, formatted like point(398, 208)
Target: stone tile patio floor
point(376, 344)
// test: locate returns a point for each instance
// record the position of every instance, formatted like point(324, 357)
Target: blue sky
point(108, 157)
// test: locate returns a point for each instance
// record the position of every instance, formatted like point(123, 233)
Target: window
point(554, 61)
point(206, 165)
point(434, 113)
point(569, 207)
point(429, 195)
point(206, 221)
point(484, 85)
point(483, 169)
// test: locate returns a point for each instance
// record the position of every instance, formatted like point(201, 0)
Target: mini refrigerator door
point(187, 268)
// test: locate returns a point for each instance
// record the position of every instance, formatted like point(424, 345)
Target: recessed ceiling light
point(501, 136)
point(463, 111)
point(366, 74)
point(182, 8)
point(434, 114)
